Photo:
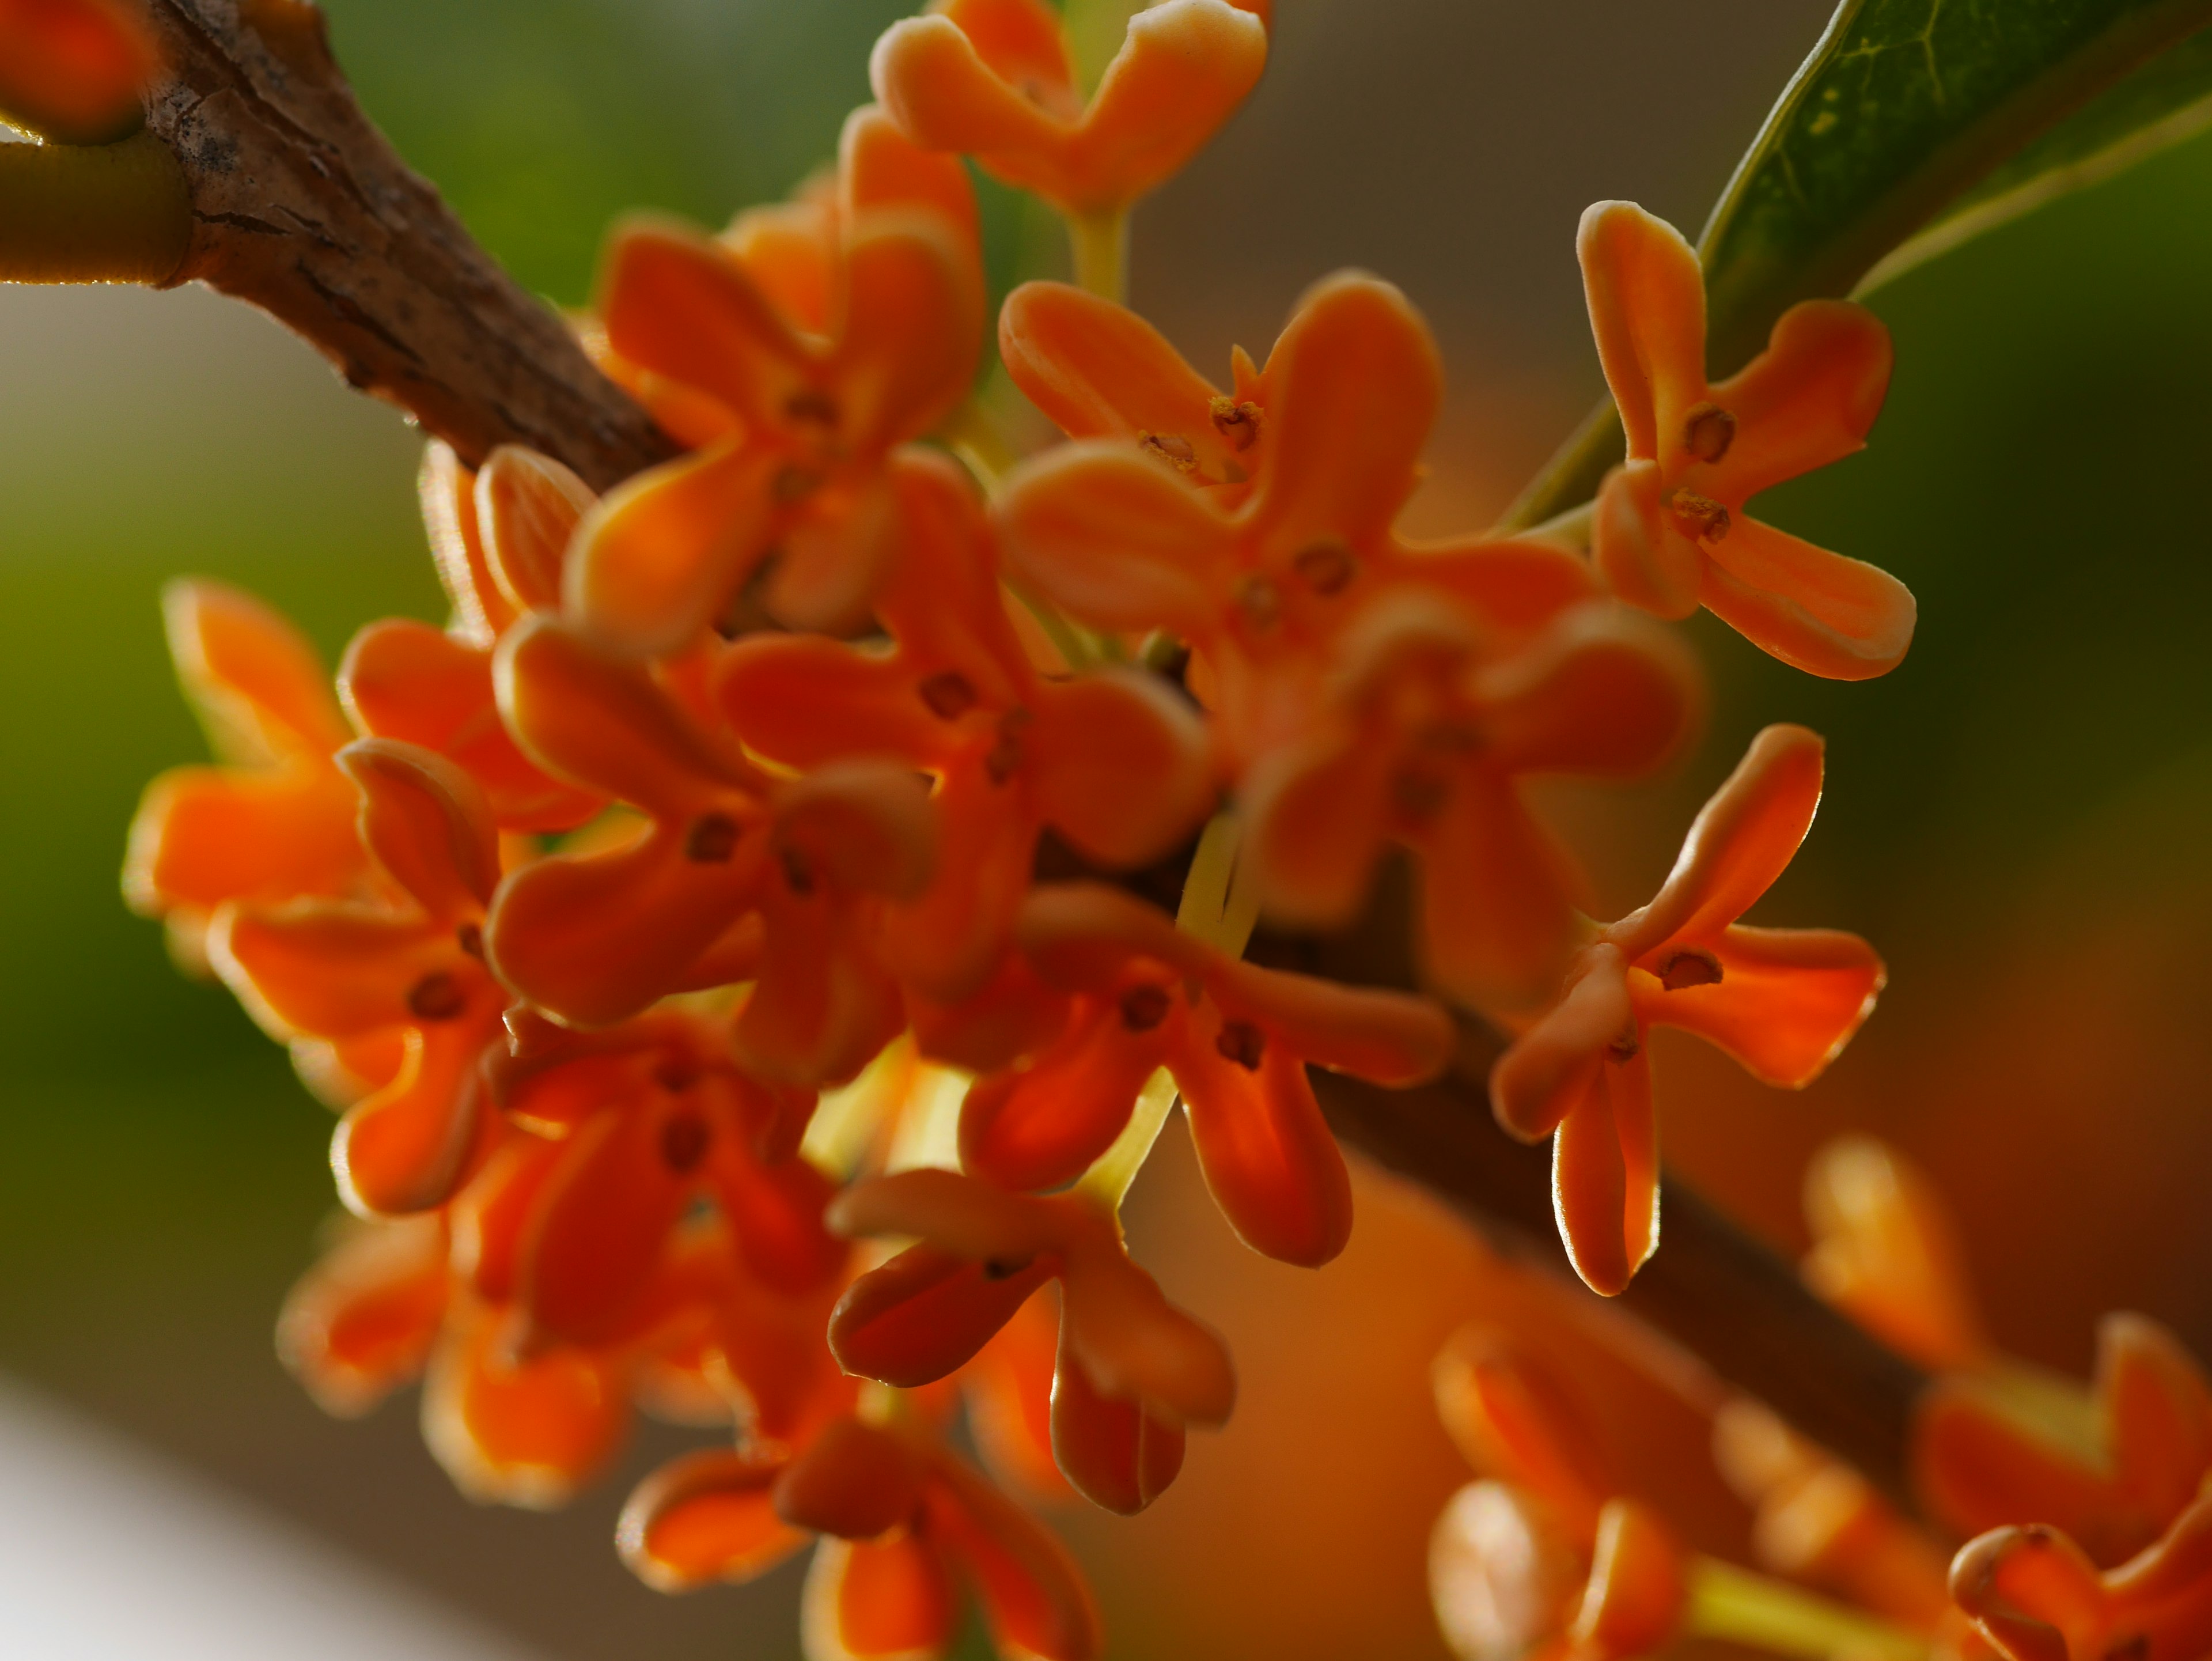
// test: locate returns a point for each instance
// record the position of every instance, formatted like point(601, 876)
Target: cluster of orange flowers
point(731, 879)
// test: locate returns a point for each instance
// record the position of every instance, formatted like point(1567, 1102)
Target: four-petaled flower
point(1670, 533)
point(1782, 1002)
point(2035, 1595)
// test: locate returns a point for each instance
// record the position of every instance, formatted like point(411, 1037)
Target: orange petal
point(1122, 766)
point(1646, 558)
point(1515, 1421)
point(776, 1211)
point(427, 823)
point(1496, 896)
point(1386, 1037)
point(606, 1215)
point(929, 75)
point(1605, 1177)
point(656, 561)
point(879, 167)
point(325, 968)
point(1839, 618)
point(705, 1517)
point(490, 1216)
point(802, 699)
point(789, 250)
point(254, 678)
point(205, 834)
point(1012, 1015)
point(528, 1433)
point(1787, 1001)
point(1099, 370)
point(2158, 1411)
point(1512, 584)
point(1022, 40)
point(1885, 1252)
point(2030, 1591)
point(447, 493)
point(1546, 1072)
point(823, 1004)
point(1268, 1156)
point(527, 506)
point(1034, 1599)
point(833, 558)
point(1600, 692)
point(1647, 306)
point(1807, 399)
point(1081, 936)
point(1501, 1575)
point(1182, 70)
point(1007, 1389)
point(1042, 1125)
point(1316, 816)
point(1133, 1344)
point(912, 325)
point(360, 1322)
point(854, 1481)
point(942, 600)
point(72, 69)
point(1114, 1453)
point(411, 1145)
point(676, 303)
point(927, 1313)
point(878, 1600)
point(1638, 1587)
point(1354, 384)
point(1116, 541)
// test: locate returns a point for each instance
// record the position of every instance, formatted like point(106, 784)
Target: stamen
point(793, 485)
point(798, 870)
point(713, 838)
point(437, 997)
point(1178, 451)
point(1004, 1269)
point(1144, 1007)
point(1700, 517)
point(949, 694)
point(1708, 431)
point(1237, 422)
point(1624, 1048)
point(1326, 567)
point(812, 405)
point(1242, 1043)
point(1007, 754)
point(1690, 967)
point(1260, 601)
point(470, 939)
point(684, 1142)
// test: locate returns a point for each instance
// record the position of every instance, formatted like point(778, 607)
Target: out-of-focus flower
point(1884, 1252)
point(73, 70)
point(404, 968)
point(992, 79)
point(1782, 1002)
point(814, 404)
point(1133, 1370)
point(1235, 1039)
point(273, 819)
point(1113, 761)
point(2036, 1595)
point(1670, 533)
point(499, 536)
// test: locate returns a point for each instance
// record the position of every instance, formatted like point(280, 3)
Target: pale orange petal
point(675, 302)
point(1605, 1177)
point(912, 324)
point(446, 490)
point(205, 834)
point(528, 1433)
point(879, 167)
point(410, 1146)
point(938, 87)
point(705, 1517)
point(1100, 371)
point(1642, 552)
point(1787, 1001)
point(1601, 693)
point(1034, 1598)
point(1546, 1071)
point(325, 968)
point(1114, 1453)
point(1316, 816)
point(360, 1322)
point(527, 507)
point(427, 825)
point(1390, 1038)
point(1182, 70)
point(1647, 306)
point(1121, 768)
point(878, 1600)
point(254, 678)
point(1833, 616)
point(1497, 895)
point(1807, 399)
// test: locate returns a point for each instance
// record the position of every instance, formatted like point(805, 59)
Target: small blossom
point(1671, 533)
point(991, 79)
point(1782, 1002)
point(73, 70)
point(2037, 1596)
point(1885, 1253)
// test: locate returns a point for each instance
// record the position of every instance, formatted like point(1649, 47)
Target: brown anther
point(1144, 1007)
point(1004, 1269)
point(684, 1142)
point(1707, 432)
point(1700, 517)
point(2137, 1648)
point(1237, 422)
point(674, 1072)
point(713, 839)
point(1326, 567)
point(811, 405)
point(1178, 451)
point(469, 939)
point(1006, 756)
point(798, 870)
point(1260, 601)
point(949, 694)
point(1243, 1043)
point(437, 997)
point(1690, 967)
point(1624, 1048)
point(1418, 792)
point(793, 483)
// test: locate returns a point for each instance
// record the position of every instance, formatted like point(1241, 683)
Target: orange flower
point(1782, 1002)
point(991, 79)
point(1133, 1370)
point(1114, 762)
point(1425, 737)
point(1885, 1253)
point(904, 1524)
point(814, 407)
point(2037, 1596)
point(1670, 533)
point(273, 818)
point(735, 877)
point(1979, 1462)
point(406, 969)
point(499, 536)
point(72, 69)
point(1112, 535)
point(1236, 1039)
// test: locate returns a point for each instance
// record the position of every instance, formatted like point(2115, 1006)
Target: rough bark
point(301, 206)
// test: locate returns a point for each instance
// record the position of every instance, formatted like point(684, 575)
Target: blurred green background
point(2019, 816)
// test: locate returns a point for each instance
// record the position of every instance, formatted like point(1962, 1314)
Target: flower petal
point(205, 834)
point(1132, 1343)
point(1807, 399)
point(1035, 1602)
point(911, 326)
point(1042, 1125)
point(803, 700)
point(1115, 541)
point(1787, 1001)
point(1354, 384)
point(1839, 618)
point(1886, 1253)
point(1545, 1073)
point(704, 1518)
point(1116, 1454)
point(527, 507)
point(1497, 894)
point(1022, 40)
point(1182, 70)
point(446, 490)
point(938, 88)
point(2158, 1416)
point(520, 1432)
point(879, 167)
point(1121, 768)
point(1601, 693)
point(1642, 552)
point(924, 1314)
point(427, 823)
point(1515, 1421)
point(947, 942)
point(835, 550)
point(854, 1481)
point(489, 1217)
point(1513, 584)
point(1008, 1392)
point(775, 1211)
point(1647, 306)
point(1316, 816)
point(674, 302)
point(1605, 1177)
point(1388, 1038)
point(413, 1143)
point(1098, 370)
point(254, 678)
point(360, 1322)
point(325, 968)
point(606, 1215)
point(878, 1600)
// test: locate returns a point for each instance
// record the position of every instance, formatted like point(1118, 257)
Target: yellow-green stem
point(1099, 243)
point(1218, 904)
point(1108, 1180)
point(1736, 1605)
point(92, 213)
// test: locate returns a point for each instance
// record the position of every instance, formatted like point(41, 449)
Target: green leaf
point(1913, 125)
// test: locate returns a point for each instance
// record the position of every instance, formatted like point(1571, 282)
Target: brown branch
point(301, 207)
